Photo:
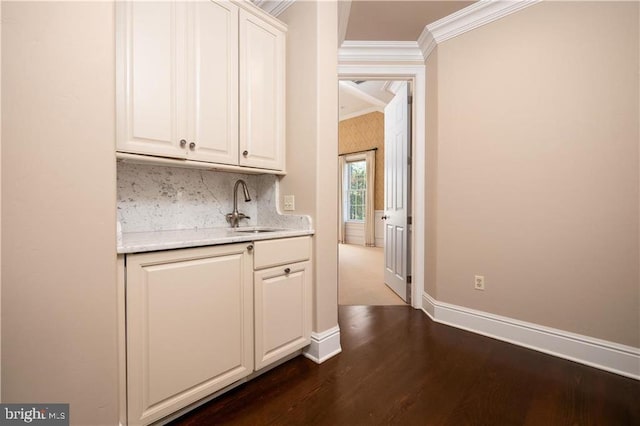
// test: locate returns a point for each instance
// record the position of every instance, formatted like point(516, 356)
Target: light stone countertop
point(137, 242)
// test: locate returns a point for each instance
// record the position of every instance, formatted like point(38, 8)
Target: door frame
point(416, 74)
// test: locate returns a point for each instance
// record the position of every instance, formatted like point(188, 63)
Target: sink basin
point(257, 230)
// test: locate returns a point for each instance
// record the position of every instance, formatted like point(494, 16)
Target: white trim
point(602, 354)
point(375, 51)
point(416, 73)
point(273, 7)
point(395, 86)
point(362, 112)
point(426, 42)
point(323, 345)
point(353, 89)
point(473, 16)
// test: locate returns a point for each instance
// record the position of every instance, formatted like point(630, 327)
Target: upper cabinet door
point(150, 95)
point(262, 73)
point(213, 82)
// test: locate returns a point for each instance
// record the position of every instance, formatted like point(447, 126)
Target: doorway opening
point(375, 143)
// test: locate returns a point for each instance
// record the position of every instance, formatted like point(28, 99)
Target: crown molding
point(373, 51)
point(273, 7)
point(427, 43)
point(395, 86)
point(361, 94)
point(477, 14)
point(473, 16)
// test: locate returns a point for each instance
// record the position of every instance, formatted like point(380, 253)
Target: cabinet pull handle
point(250, 247)
point(287, 271)
point(245, 153)
point(192, 145)
point(183, 143)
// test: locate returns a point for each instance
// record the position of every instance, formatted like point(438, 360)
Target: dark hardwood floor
point(397, 367)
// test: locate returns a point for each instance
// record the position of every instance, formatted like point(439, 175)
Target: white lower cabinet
point(282, 311)
point(189, 322)
point(199, 319)
point(282, 283)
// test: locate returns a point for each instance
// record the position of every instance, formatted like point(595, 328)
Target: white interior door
point(397, 237)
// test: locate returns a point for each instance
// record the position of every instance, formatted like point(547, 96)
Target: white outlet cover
point(289, 202)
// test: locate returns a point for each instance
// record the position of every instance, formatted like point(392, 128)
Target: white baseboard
point(608, 356)
point(324, 345)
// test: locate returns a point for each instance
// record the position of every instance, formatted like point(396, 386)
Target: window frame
point(346, 190)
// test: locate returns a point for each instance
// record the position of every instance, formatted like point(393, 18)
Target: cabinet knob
point(287, 271)
point(245, 153)
point(250, 247)
point(192, 145)
point(183, 143)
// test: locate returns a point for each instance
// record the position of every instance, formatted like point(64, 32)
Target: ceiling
point(363, 97)
point(396, 20)
point(385, 20)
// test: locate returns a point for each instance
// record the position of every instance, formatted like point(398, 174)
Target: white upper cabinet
point(213, 82)
point(201, 81)
point(262, 48)
point(150, 83)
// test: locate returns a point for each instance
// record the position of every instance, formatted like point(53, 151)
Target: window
point(356, 194)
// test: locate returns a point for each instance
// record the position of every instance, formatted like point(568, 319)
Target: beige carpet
point(361, 279)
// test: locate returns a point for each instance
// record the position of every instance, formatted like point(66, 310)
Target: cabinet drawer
point(279, 252)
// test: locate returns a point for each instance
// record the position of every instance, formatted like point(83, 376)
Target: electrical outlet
point(479, 282)
point(289, 202)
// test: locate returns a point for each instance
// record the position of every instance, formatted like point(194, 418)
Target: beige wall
point(0, 205)
point(312, 140)
point(58, 207)
point(537, 168)
point(431, 172)
point(363, 133)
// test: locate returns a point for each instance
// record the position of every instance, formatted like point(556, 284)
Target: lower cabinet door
point(189, 327)
point(282, 311)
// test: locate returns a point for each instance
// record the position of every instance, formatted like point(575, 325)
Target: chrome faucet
point(234, 217)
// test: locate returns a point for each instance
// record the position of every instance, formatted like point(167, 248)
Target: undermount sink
point(257, 230)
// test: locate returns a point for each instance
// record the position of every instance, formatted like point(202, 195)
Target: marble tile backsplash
point(156, 198)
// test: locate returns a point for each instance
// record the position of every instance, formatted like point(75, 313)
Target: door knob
point(385, 217)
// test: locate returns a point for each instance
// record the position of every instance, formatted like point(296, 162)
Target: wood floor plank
point(399, 367)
